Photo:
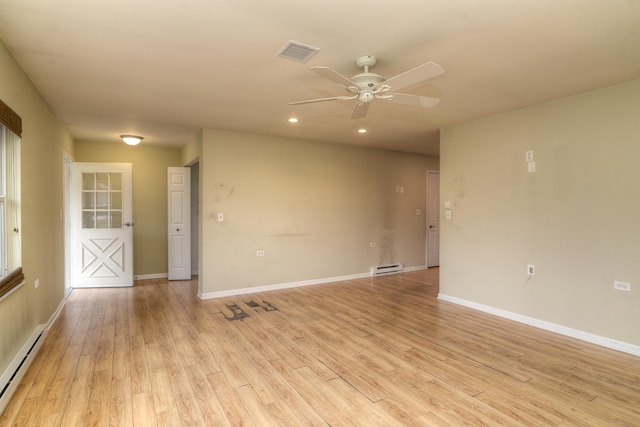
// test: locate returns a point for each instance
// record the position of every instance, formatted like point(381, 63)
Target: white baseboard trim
point(415, 268)
point(547, 326)
point(151, 276)
point(243, 291)
point(55, 315)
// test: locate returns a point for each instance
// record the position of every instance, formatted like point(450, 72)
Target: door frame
point(428, 215)
point(65, 217)
point(195, 217)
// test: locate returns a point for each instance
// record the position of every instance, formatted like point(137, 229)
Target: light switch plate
point(529, 156)
point(622, 286)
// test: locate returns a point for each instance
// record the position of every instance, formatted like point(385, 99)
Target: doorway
point(183, 221)
point(179, 223)
point(64, 215)
point(433, 218)
point(100, 218)
point(195, 217)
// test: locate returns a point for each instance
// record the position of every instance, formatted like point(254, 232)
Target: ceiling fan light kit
point(367, 86)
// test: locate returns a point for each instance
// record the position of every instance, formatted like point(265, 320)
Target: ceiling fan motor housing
point(367, 80)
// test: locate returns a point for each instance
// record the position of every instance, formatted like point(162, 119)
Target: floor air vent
point(386, 269)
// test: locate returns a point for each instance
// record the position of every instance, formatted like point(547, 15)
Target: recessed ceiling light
point(292, 120)
point(362, 131)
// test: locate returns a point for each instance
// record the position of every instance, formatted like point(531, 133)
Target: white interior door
point(179, 219)
point(101, 225)
point(433, 219)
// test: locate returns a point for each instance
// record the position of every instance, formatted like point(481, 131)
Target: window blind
point(10, 119)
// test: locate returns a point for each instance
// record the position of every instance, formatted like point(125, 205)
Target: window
point(10, 247)
point(101, 200)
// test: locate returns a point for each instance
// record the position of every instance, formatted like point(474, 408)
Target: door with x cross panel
point(101, 225)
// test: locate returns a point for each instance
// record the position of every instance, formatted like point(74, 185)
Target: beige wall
point(149, 196)
point(312, 207)
point(577, 218)
point(191, 151)
point(43, 142)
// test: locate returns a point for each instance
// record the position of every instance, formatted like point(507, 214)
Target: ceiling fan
point(367, 86)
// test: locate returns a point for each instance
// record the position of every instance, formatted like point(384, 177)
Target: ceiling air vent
point(298, 51)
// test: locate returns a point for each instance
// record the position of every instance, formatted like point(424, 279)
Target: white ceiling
point(166, 68)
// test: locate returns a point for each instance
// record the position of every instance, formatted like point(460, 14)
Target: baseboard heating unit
point(10, 379)
point(386, 269)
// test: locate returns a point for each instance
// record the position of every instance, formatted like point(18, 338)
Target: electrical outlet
point(260, 253)
point(220, 216)
point(530, 269)
point(36, 284)
point(622, 286)
point(531, 167)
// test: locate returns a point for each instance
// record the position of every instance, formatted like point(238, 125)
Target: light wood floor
point(370, 352)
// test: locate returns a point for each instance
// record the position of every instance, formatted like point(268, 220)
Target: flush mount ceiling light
point(292, 120)
point(362, 131)
point(131, 139)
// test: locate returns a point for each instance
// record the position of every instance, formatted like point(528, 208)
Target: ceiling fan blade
point(360, 111)
point(333, 98)
point(414, 100)
point(332, 75)
point(415, 75)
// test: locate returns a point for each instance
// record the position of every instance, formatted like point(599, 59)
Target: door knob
point(128, 224)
